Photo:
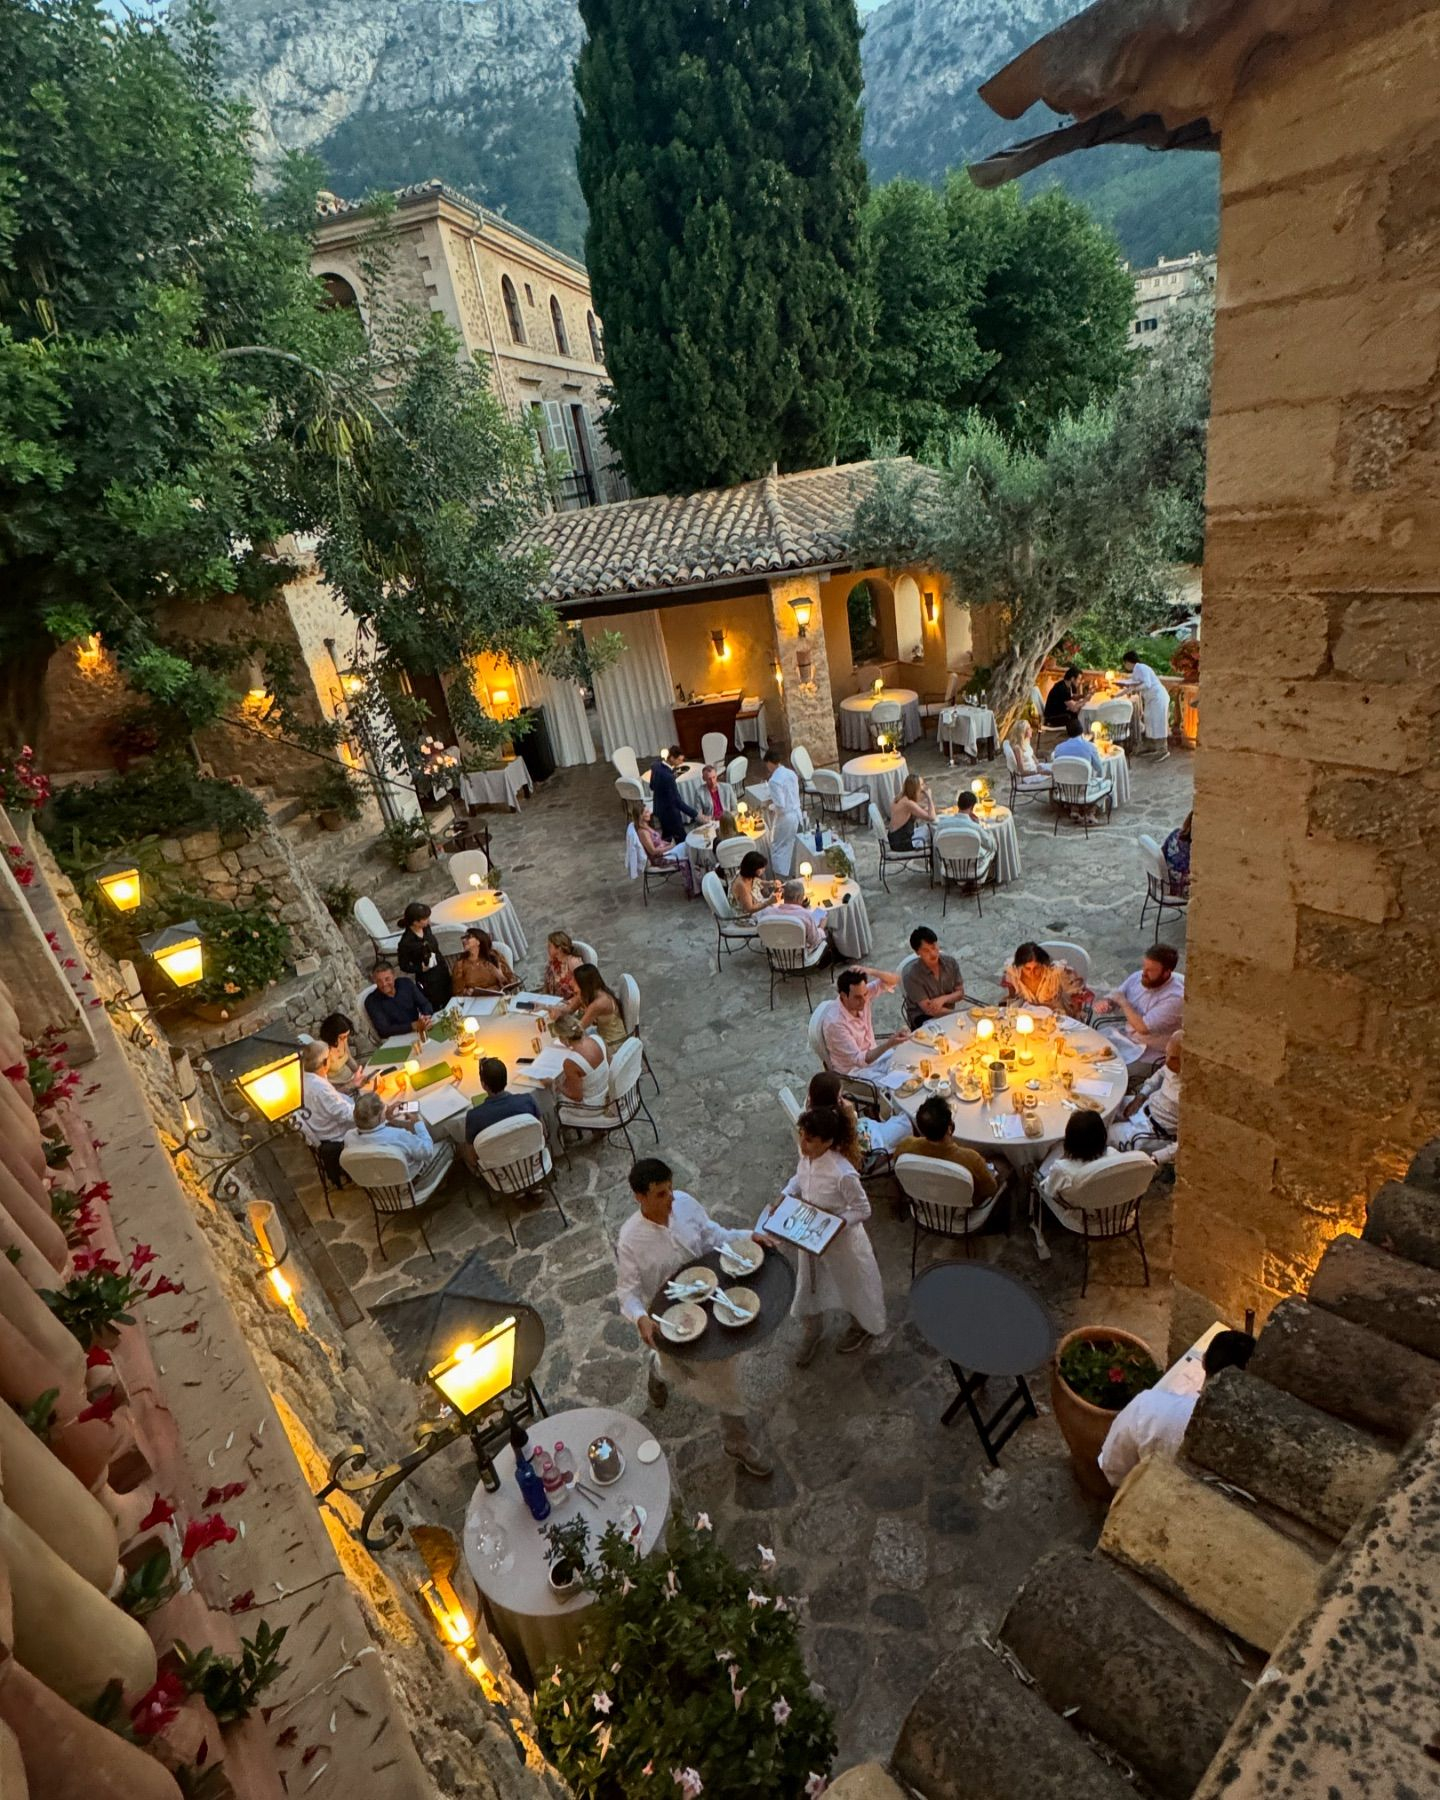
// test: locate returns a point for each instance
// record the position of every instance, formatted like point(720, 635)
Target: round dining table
point(846, 917)
point(855, 716)
point(513, 1027)
point(999, 824)
point(700, 842)
point(538, 1627)
point(952, 1049)
point(481, 906)
point(1117, 769)
point(965, 728)
point(1090, 711)
point(882, 774)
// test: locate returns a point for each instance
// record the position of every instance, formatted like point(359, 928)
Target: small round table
point(773, 1282)
point(983, 1322)
point(882, 774)
point(855, 716)
point(536, 1625)
point(451, 917)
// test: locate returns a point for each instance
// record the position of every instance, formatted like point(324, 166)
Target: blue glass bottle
point(532, 1488)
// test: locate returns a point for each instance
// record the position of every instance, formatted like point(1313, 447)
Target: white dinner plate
point(742, 1296)
point(742, 1258)
point(705, 1280)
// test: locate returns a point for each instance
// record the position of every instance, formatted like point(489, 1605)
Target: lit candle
point(984, 1028)
point(806, 871)
point(475, 881)
point(1024, 1026)
point(412, 1067)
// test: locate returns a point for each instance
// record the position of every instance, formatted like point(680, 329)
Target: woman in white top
point(786, 817)
point(1022, 744)
point(1085, 1148)
point(845, 1274)
point(585, 1079)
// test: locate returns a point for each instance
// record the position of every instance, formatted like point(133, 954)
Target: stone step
point(1405, 1220)
point(1211, 1551)
point(866, 1781)
point(1387, 1294)
point(977, 1731)
point(1076, 1623)
point(1347, 1371)
point(1287, 1454)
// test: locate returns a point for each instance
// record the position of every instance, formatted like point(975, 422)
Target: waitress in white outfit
point(845, 1274)
point(786, 819)
point(1154, 697)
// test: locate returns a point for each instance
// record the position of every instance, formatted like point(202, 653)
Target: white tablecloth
point(975, 1120)
point(449, 918)
point(855, 717)
point(1117, 767)
point(496, 787)
point(529, 1616)
point(965, 728)
point(999, 824)
point(750, 727)
point(847, 921)
point(881, 776)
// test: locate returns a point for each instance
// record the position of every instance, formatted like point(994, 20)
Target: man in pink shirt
point(791, 905)
point(846, 1026)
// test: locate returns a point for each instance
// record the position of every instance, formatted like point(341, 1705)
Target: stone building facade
point(516, 301)
point(1313, 1010)
point(1168, 287)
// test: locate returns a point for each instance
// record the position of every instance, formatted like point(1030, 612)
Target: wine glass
point(494, 1548)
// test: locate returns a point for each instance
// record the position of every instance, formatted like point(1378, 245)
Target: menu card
point(801, 1224)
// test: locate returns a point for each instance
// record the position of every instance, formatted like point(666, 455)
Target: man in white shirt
point(327, 1115)
point(374, 1128)
point(1154, 697)
point(786, 817)
point(847, 1027)
point(1152, 1004)
point(665, 1234)
point(1154, 1422)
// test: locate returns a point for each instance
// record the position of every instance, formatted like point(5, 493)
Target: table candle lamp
point(1025, 1027)
point(879, 685)
point(475, 883)
point(742, 810)
point(806, 871)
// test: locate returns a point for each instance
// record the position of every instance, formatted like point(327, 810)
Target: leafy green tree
point(1018, 310)
point(720, 158)
point(1090, 524)
point(175, 398)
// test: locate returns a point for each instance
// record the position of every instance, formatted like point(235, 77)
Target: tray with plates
point(772, 1281)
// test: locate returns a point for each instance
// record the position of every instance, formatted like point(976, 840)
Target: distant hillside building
point(1174, 281)
point(515, 300)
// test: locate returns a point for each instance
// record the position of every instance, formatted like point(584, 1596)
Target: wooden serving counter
point(707, 712)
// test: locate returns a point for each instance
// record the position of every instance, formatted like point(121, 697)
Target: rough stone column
point(809, 716)
point(1312, 1030)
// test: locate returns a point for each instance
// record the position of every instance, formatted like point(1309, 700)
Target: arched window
point(557, 319)
point(512, 310)
point(339, 295)
point(597, 349)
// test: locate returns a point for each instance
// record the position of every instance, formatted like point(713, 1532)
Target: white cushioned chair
point(1105, 1203)
point(941, 1196)
point(512, 1160)
point(384, 940)
point(1075, 789)
point(783, 941)
point(390, 1187)
point(622, 1103)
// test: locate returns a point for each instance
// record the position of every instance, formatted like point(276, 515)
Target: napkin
point(1096, 1090)
point(893, 1078)
point(1011, 1125)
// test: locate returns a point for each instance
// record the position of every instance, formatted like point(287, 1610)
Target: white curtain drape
point(635, 697)
point(564, 713)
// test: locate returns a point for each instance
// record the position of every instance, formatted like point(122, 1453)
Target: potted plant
point(1097, 1369)
point(567, 1555)
point(332, 798)
point(688, 1678)
point(838, 863)
point(407, 843)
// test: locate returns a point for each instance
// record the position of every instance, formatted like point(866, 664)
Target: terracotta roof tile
point(781, 522)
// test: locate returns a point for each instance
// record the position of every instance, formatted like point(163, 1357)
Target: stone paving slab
point(903, 1542)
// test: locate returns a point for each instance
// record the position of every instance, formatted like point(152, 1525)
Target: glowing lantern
point(477, 1372)
point(119, 882)
point(275, 1089)
point(178, 951)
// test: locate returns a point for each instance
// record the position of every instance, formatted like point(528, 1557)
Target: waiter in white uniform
point(786, 818)
point(1154, 697)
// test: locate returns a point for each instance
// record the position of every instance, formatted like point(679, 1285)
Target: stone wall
point(266, 873)
point(1313, 1016)
point(808, 712)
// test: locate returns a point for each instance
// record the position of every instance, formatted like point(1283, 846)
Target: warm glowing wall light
point(475, 1373)
point(276, 1088)
point(178, 951)
point(119, 882)
point(722, 649)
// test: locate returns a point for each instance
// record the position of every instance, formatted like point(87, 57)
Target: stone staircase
point(1291, 1528)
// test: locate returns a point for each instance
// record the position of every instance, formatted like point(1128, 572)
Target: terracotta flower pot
point(1083, 1425)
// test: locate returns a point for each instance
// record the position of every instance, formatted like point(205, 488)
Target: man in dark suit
point(672, 815)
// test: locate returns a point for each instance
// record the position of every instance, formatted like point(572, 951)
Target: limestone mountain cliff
point(479, 93)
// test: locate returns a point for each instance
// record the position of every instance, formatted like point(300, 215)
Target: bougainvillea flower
point(201, 1534)
point(161, 1513)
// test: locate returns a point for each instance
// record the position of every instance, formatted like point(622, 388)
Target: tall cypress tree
point(720, 158)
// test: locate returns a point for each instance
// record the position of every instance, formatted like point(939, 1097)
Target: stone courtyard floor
point(902, 1541)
